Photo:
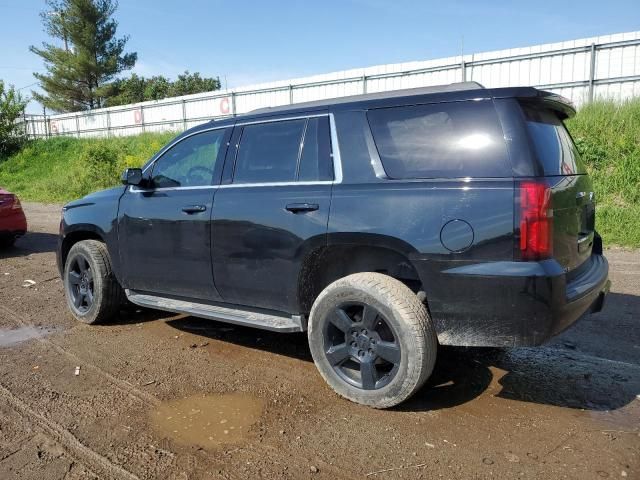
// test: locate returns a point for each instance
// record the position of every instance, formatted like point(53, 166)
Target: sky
point(249, 41)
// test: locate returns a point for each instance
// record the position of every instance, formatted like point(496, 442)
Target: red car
point(13, 223)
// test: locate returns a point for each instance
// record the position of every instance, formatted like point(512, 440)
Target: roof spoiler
point(553, 101)
point(550, 100)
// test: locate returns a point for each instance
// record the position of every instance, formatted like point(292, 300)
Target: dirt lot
point(173, 397)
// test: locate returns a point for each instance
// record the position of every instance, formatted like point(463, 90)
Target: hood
point(97, 197)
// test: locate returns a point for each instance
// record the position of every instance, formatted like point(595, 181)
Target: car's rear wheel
point(93, 293)
point(372, 339)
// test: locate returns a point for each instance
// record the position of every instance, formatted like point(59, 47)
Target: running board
point(264, 321)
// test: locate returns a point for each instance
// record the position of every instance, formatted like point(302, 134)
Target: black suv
point(382, 224)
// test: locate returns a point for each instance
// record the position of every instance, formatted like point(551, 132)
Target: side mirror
point(132, 176)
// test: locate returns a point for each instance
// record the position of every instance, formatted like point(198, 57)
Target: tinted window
point(315, 162)
point(188, 163)
point(553, 145)
point(268, 152)
point(446, 140)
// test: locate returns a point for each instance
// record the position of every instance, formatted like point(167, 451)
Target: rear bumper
point(584, 294)
point(13, 223)
point(508, 304)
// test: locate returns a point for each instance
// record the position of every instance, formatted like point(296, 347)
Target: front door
point(274, 211)
point(164, 230)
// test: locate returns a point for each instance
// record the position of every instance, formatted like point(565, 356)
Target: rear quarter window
point(552, 143)
point(443, 140)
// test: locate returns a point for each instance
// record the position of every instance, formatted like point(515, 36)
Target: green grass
point(607, 134)
point(608, 137)
point(63, 168)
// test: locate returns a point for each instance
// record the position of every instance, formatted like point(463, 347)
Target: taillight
point(6, 201)
point(536, 221)
point(16, 203)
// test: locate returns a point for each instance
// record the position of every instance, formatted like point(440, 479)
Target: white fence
point(582, 70)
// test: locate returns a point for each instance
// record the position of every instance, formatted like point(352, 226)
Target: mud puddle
point(11, 337)
point(207, 420)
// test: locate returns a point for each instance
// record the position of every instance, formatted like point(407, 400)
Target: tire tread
point(415, 317)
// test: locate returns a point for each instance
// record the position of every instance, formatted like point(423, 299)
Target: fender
point(93, 216)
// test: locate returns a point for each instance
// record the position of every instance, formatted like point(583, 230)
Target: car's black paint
point(259, 246)
point(247, 249)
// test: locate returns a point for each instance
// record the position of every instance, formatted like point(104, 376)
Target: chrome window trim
point(335, 151)
point(281, 119)
point(276, 184)
point(335, 156)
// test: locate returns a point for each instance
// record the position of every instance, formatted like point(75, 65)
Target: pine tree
point(80, 73)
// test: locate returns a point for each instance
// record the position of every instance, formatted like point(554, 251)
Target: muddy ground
point(172, 397)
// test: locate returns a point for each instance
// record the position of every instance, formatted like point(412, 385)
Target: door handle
point(302, 207)
point(190, 209)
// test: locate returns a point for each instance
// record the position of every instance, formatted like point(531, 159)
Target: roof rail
point(407, 92)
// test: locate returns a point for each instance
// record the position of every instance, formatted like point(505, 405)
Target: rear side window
point(444, 140)
point(315, 162)
point(552, 143)
point(268, 152)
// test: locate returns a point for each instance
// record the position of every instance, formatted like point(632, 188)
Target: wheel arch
point(345, 254)
point(78, 234)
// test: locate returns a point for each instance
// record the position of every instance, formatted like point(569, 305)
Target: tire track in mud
point(122, 385)
point(67, 438)
point(99, 465)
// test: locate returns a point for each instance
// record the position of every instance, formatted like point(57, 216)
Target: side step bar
point(264, 321)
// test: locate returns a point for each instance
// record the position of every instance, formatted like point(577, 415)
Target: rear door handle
point(302, 207)
point(190, 209)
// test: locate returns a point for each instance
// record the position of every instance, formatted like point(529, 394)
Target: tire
point(7, 242)
point(92, 291)
point(372, 339)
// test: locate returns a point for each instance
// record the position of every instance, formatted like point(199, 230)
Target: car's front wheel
point(372, 339)
point(93, 293)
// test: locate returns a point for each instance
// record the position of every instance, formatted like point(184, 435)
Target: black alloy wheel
point(361, 346)
point(80, 278)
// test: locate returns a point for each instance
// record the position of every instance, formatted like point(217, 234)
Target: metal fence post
point(24, 123)
point(142, 118)
point(364, 83)
point(290, 94)
point(233, 104)
point(184, 114)
point(108, 124)
point(592, 71)
point(463, 70)
point(77, 125)
point(47, 129)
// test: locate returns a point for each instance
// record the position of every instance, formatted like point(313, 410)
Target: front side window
point(268, 152)
point(442, 140)
point(188, 163)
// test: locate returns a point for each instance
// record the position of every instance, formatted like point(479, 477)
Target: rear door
point(273, 210)
point(572, 195)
